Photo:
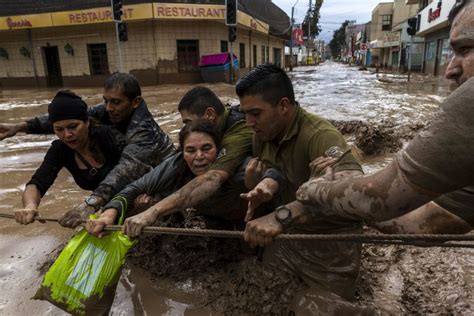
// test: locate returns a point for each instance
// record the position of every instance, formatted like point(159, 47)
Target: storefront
point(435, 28)
point(165, 43)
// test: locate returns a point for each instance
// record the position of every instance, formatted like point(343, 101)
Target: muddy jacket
point(171, 175)
point(145, 145)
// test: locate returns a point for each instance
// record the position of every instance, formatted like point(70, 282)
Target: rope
point(420, 240)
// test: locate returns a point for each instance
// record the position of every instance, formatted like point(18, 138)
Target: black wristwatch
point(93, 202)
point(283, 216)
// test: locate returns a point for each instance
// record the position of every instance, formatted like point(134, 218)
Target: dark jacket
point(145, 145)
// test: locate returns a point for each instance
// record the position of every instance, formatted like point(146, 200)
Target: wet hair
point(200, 126)
point(457, 8)
point(198, 99)
point(126, 82)
point(268, 81)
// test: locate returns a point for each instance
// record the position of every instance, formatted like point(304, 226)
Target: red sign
point(14, 24)
point(298, 36)
point(433, 15)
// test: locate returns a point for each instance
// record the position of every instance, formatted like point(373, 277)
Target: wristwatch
point(283, 216)
point(92, 201)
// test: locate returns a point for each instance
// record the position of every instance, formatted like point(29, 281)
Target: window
point(242, 55)
point(224, 46)
point(98, 61)
point(254, 55)
point(386, 22)
point(188, 55)
point(267, 59)
point(263, 54)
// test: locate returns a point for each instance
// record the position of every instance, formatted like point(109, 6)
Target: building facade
point(74, 44)
point(434, 26)
point(390, 42)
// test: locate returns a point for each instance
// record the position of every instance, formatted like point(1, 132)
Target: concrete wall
point(381, 9)
point(150, 52)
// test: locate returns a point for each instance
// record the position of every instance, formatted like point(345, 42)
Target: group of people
point(262, 167)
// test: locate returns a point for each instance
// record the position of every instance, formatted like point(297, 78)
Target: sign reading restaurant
point(134, 12)
point(187, 11)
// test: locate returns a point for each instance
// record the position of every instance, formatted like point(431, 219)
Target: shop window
point(430, 51)
point(98, 60)
point(446, 53)
point(254, 55)
point(263, 54)
point(224, 46)
point(277, 56)
point(267, 59)
point(188, 55)
point(386, 22)
point(242, 55)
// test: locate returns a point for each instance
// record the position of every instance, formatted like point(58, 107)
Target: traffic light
point(117, 10)
point(122, 31)
point(231, 7)
point(232, 33)
point(412, 26)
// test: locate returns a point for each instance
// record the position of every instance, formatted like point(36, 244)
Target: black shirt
point(60, 156)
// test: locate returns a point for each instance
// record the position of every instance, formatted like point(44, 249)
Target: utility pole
point(116, 7)
point(409, 57)
point(291, 38)
point(411, 30)
point(309, 31)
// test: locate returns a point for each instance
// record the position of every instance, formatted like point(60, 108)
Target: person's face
point(199, 150)
point(267, 121)
point(74, 133)
point(209, 115)
point(119, 107)
point(461, 66)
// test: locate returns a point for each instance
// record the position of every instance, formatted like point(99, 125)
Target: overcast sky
point(333, 12)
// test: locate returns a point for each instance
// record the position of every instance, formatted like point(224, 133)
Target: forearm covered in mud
point(31, 197)
point(384, 195)
point(427, 219)
point(193, 193)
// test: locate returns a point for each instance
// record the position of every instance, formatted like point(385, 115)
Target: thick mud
point(172, 275)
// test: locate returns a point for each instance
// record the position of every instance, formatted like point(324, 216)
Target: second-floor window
point(386, 22)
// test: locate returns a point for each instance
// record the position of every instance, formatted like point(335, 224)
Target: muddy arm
point(427, 219)
point(381, 196)
point(194, 192)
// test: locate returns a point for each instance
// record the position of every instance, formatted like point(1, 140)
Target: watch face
point(283, 213)
point(91, 200)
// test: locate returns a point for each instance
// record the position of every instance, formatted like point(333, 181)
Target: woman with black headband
point(88, 152)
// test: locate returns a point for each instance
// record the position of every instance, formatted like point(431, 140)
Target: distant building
point(389, 40)
point(73, 43)
point(433, 25)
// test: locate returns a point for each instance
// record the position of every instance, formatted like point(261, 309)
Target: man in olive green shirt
point(289, 138)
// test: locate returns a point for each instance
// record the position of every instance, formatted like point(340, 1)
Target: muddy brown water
point(393, 279)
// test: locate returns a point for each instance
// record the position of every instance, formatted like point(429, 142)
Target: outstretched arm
point(427, 219)
point(193, 193)
point(9, 130)
point(383, 195)
point(31, 199)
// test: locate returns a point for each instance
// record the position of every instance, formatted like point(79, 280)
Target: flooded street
point(393, 279)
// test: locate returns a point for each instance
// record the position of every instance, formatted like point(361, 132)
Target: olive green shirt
point(235, 147)
point(306, 139)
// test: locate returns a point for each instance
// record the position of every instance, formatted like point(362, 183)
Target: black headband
point(67, 106)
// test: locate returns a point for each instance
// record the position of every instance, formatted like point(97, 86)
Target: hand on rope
point(420, 240)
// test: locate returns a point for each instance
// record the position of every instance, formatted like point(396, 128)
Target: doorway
point(54, 77)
